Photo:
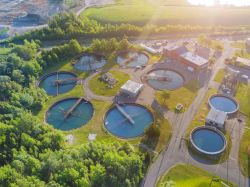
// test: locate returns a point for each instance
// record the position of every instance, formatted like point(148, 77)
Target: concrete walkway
point(89, 94)
point(177, 151)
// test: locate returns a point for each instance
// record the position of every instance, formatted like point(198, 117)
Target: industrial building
point(216, 118)
point(194, 61)
point(243, 61)
point(131, 89)
point(182, 55)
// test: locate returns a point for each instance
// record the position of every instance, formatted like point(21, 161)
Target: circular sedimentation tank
point(208, 141)
point(164, 79)
point(128, 120)
point(223, 103)
point(132, 59)
point(90, 62)
point(58, 82)
point(70, 113)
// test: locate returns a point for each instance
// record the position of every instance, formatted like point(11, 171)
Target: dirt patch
point(34, 10)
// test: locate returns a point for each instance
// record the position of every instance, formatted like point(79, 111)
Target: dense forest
point(68, 25)
point(33, 153)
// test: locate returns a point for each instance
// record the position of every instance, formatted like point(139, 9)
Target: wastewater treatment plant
point(124, 93)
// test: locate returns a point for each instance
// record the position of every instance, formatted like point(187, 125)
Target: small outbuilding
point(216, 118)
point(131, 89)
point(149, 49)
point(243, 61)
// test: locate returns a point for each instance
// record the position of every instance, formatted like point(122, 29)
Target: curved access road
point(177, 151)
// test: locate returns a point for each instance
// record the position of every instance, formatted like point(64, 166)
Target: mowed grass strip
point(239, 44)
point(220, 76)
point(184, 95)
point(66, 65)
point(141, 13)
point(243, 97)
point(199, 120)
point(200, 116)
point(78, 91)
point(100, 87)
point(188, 175)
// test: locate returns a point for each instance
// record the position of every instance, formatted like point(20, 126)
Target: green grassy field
point(190, 176)
point(95, 125)
point(243, 97)
point(4, 51)
point(239, 44)
point(242, 53)
point(4, 30)
point(66, 65)
point(184, 95)
point(200, 116)
point(220, 76)
point(101, 88)
point(199, 120)
point(142, 11)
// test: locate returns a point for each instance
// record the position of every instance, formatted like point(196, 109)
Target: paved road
point(89, 94)
point(177, 151)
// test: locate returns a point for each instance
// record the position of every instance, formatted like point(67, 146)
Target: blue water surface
point(140, 59)
point(90, 62)
point(80, 116)
point(208, 140)
point(117, 123)
point(48, 83)
point(222, 103)
point(175, 80)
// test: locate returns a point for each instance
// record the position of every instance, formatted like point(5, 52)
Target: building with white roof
point(244, 61)
point(216, 118)
point(149, 49)
point(131, 89)
point(194, 60)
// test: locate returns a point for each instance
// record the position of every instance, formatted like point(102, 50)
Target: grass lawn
point(199, 120)
point(4, 51)
point(78, 91)
point(188, 175)
point(66, 65)
point(239, 44)
point(184, 95)
point(101, 88)
point(200, 116)
point(165, 133)
point(142, 11)
point(95, 125)
point(220, 76)
point(243, 97)
point(4, 30)
point(242, 53)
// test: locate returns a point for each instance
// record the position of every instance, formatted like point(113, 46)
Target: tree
point(97, 175)
point(165, 95)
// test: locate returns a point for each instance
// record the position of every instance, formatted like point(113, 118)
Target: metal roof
point(243, 61)
point(132, 87)
point(195, 59)
point(217, 116)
